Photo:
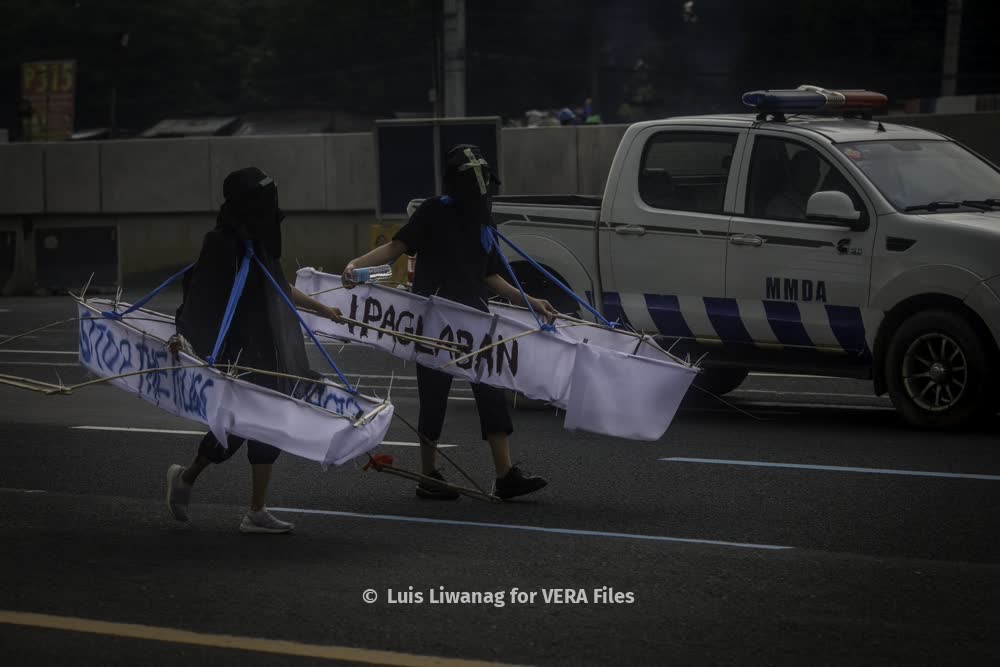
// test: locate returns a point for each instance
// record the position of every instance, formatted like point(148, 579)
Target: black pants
point(433, 388)
point(257, 452)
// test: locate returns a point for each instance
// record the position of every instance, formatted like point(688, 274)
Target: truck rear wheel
point(937, 370)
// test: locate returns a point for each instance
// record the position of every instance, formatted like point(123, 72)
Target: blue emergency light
point(806, 99)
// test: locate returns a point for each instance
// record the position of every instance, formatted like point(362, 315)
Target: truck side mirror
point(836, 208)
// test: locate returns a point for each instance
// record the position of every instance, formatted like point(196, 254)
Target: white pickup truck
point(831, 246)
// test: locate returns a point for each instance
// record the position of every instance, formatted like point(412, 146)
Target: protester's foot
point(263, 521)
point(518, 482)
point(431, 491)
point(178, 492)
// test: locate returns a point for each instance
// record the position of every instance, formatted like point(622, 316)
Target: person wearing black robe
point(264, 333)
point(457, 260)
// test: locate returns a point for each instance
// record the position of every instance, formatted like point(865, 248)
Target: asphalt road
point(871, 544)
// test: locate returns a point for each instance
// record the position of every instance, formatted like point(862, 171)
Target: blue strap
point(234, 298)
point(144, 300)
point(541, 325)
point(593, 311)
point(309, 331)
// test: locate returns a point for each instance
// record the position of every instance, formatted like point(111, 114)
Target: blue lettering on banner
point(102, 350)
point(323, 397)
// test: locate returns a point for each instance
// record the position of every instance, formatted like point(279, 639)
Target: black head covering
point(251, 209)
point(470, 180)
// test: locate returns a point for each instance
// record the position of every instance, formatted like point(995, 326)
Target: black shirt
point(452, 260)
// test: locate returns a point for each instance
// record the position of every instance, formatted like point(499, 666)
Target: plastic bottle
point(371, 273)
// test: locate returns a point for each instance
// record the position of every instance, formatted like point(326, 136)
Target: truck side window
point(784, 174)
point(686, 171)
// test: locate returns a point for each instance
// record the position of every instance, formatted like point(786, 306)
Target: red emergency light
point(813, 99)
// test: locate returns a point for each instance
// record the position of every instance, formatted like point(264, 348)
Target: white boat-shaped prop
point(609, 381)
point(328, 424)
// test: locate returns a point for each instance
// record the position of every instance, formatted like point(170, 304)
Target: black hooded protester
point(264, 334)
point(458, 260)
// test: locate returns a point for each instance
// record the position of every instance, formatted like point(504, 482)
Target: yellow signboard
point(382, 234)
point(49, 87)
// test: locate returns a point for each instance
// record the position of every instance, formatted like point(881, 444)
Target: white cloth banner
point(320, 427)
point(539, 364)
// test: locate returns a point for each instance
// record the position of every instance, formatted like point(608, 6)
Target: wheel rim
point(935, 372)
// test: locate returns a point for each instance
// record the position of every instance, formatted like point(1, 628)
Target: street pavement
point(870, 543)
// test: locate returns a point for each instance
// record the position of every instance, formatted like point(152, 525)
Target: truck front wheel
point(937, 370)
point(720, 381)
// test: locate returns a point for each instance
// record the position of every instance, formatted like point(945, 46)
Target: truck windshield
point(913, 174)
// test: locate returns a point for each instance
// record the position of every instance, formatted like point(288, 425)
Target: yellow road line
point(275, 646)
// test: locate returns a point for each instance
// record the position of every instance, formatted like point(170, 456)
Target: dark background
point(636, 59)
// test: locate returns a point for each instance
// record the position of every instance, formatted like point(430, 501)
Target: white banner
point(319, 427)
point(514, 354)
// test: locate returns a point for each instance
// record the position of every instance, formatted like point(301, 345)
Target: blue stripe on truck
point(725, 317)
point(665, 311)
point(786, 322)
point(849, 328)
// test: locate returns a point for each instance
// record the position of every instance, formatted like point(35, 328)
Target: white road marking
point(5, 310)
point(798, 375)
point(6, 351)
point(38, 363)
point(803, 466)
point(8, 335)
point(396, 443)
point(537, 529)
point(807, 393)
point(136, 429)
point(825, 406)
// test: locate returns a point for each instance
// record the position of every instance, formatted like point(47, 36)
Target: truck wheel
point(936, 370)
point(719, 381)
point(539, 286)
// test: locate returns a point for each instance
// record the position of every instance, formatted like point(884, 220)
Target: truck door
point(668, 229)
point(799, 284)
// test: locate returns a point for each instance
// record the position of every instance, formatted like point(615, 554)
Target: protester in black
point(457, 260)
point(264, 333)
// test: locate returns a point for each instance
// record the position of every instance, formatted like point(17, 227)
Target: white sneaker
point(264, 522)
point(178, 493)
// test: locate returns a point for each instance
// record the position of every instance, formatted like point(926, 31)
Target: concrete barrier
point(156, 176)
point(163, 194)
point(978, 131)
point(21, 175)
point(72, 178)
point(350, 172)
point(595, 149)
point(297, 165)
point(539, 160)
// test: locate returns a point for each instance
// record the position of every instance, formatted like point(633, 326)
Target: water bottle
point(371, 273)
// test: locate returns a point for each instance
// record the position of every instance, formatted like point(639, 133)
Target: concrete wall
point(156, 176)
point(539, 160)
point(163, 194)
point(22, 184)
point(978, 131)
point(295, 163)
point(73, 178)
point(350, 172)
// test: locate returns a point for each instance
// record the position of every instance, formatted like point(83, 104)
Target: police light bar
point(813, 99)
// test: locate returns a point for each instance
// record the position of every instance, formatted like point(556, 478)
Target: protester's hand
point(177, 344)
point(347, 276)
point(543, 307)
point(334, 314)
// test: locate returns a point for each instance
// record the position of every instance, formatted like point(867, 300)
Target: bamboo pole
point(472, 354)
point(417, 477)
point(435, 343)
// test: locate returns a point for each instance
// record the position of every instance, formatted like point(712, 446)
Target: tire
point(537, 285)
point(937, 370)
point(719, 381)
